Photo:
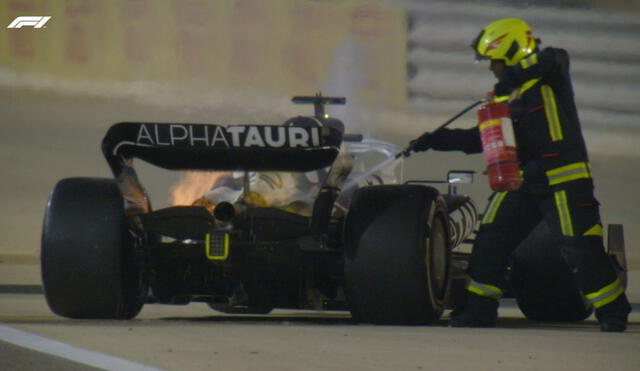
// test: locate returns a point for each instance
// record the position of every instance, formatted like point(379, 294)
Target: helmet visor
point(474, 45)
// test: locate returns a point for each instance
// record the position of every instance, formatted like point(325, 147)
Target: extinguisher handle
point(410, 148)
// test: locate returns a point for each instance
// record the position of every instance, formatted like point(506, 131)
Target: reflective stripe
point(516, 94)
point(551, 110)
point(563, 213)
point(527, 85)
point(528, 62)
point(488, 124)
point(484, 289)
point(492, 209)
point(217, 246)
point(567, 173)
point(596, 230)
point(606, 294)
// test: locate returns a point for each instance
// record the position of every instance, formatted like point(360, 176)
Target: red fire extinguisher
point(499, 146)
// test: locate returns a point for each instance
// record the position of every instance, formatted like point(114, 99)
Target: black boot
point(613, 316)
point(480, 311)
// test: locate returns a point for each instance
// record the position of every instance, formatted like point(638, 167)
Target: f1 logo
point(29, 21)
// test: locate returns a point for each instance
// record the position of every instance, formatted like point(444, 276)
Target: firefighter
point(557, 184)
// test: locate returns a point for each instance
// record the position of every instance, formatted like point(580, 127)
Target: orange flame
point(271, 190)
point(193, 185)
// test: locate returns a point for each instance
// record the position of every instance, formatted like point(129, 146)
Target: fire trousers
point(571, 211)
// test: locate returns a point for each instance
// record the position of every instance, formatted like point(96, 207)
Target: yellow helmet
point(508, 39)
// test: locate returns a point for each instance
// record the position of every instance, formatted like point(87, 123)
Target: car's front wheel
point(543, 285)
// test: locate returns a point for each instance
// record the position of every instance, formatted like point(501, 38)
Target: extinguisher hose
point(407, 151)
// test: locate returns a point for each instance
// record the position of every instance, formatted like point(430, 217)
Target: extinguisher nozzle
point(407, 151)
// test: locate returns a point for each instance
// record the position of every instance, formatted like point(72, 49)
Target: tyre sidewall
point(88, 266)
point(386, 238)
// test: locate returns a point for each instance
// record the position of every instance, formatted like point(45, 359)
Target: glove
point(423, 143)
point(502, 88)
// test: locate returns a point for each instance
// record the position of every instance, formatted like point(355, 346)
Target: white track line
point(62, 350)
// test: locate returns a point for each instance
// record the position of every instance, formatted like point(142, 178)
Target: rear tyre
point(89, 268)
point(544, 287)
point(397, 255)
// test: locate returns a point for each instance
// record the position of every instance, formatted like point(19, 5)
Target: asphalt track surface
point(194, 337)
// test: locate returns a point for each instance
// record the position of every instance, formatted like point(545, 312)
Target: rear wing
point(182, 146)
point(215, 147)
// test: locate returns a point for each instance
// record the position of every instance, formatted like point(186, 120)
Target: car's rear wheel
point(544, 287)
point(397, 255)
point(89, 267)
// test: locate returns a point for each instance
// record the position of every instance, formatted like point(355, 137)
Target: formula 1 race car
point(351, 237)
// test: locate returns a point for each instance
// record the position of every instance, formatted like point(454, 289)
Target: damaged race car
point(304, 216)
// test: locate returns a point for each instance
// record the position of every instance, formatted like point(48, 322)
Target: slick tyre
point(543, 285)
point(397, 257)
point(89, 269)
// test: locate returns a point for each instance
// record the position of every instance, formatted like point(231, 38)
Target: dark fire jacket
point(551, 148)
